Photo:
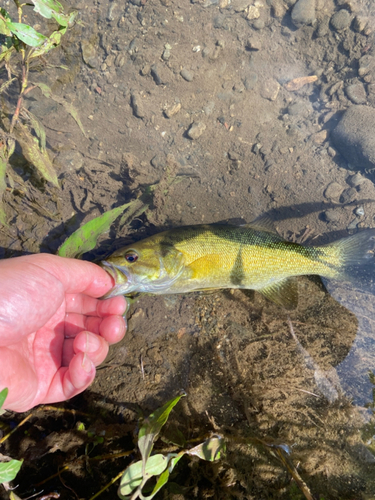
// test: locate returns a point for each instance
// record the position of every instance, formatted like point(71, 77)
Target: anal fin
point(283, 292)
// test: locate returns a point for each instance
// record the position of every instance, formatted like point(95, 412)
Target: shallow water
point(249, 374)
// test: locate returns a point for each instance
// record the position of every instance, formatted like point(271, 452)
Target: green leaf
point(51, 42)
point(3, 396)
point(132, 477)
point(4, 30)
point(27, 34)
point(210, 450)
point(9, 470)
point(162, 480)
point(152, 426)
point(33, 154)
point(53, 9)
point(85, 238)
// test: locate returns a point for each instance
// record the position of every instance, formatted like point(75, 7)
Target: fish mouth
point(121, 278)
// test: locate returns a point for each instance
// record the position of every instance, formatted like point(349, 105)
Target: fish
point(221, 256)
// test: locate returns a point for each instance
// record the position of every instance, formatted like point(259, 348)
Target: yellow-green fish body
point(223, 256)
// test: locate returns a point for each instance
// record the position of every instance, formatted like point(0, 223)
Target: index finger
point(76, 276)
point(89, 306)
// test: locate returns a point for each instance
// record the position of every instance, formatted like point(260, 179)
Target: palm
point(54, 330)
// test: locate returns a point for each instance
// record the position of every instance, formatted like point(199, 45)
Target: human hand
point(53, 329)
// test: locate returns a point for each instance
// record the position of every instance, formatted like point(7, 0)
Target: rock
point(356, 180)
point(136, 103)
point(332, 215)
point(270, 89)
point(71, 160)
point(356, 93)
point(340, 20)
point(360, 23)
point(258, 24)
point(333, 191)
point(366, 65)
point(320, 137)
point(172, 110)
point(250, 80)
point(252, 12)
point(348, 195)
point(303, 13)
point(278, 9)
point(253, 43)
point(354, 137)
point(187, 75)
point(196, 130)
point(240, 5)
point(89, 54)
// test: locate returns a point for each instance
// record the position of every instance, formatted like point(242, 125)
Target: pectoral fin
point(284, 293)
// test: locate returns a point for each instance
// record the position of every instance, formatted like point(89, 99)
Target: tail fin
point(356, 258)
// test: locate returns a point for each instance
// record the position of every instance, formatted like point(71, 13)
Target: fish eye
point(131, 256)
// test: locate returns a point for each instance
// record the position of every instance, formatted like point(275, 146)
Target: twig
point(4, 438)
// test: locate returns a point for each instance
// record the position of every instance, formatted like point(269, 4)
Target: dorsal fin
point(263, 223)
point(283, 292)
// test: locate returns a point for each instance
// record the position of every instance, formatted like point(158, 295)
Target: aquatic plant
point(20, 47)
point(159, 466)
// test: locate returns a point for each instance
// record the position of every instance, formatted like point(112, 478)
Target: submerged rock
point(303, 12)
point(354, 137)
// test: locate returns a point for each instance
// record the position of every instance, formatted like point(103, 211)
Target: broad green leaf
point(27, 34)
point(3, 396)
point(6, 84)
point(132, 477)
point(162, 480)
point(210, 450)
point(33, 154)
point(9, 470)
point(68, 106)
point(84, 239)
point(51, 42)
point(53, 9)
point(152, 426)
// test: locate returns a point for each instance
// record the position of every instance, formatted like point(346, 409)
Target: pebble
point(253, 43)
point(250, 80)
point(356, 93)
point(137, 106)
point(354, 137)
point(172, 110)
point(120, 60)
point(333, 191)
point(270, 89)
point(303, 13)
point(240, 5)
point(196, 130)
point(348, 195)
point(187, 75)
point(258, 24)
point(332, 215)
point(70, 159)
point(340, 20)
point(89, 54)
point(366, 64)
point(356, 180)
point(360, 211)
point(252, 12)
point(320, 137)
point(360, 23)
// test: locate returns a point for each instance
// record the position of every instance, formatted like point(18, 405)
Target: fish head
point(147, 266)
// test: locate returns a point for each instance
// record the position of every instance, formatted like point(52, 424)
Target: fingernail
point(92, 343)
point(87, 364)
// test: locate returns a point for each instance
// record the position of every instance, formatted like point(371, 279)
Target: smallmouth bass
point(217, 256)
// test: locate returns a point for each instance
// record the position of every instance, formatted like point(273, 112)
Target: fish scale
point(217, 256)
